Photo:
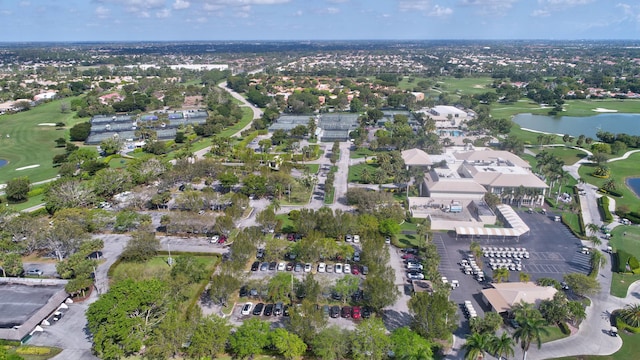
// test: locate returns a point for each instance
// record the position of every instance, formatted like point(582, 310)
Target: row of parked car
point(338, 268)
point(277, 309)
point(413, 264)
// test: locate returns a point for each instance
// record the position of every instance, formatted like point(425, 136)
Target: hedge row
point(622, 258)
point(623, 326)
point(564, 328)
point(610, 192)
point(603, 203)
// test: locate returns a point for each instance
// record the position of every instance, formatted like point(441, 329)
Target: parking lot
point(553, 252)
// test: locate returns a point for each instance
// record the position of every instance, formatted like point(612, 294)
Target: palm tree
point(610, 184)
point(631, 314)
point(420, 354)
point(523, 309)
point(500, 275)
point(595, 241)
point(592, 229)
point(576, 311)
point(531, 328)
point(524, 277)
point(477, 345)
point(502, 346)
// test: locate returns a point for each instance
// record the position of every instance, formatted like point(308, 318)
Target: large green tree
point(331, 343)
point(250, 338)
point(288, 345)
point(407, 344)
point(532, 328)
point(122, 318)
point(17, 189)
point(209, 337)
point(370, 341)
point(434, 316)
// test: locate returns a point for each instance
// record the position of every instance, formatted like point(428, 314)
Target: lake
point(3, 162)
point(576, 126)
point(634, 184)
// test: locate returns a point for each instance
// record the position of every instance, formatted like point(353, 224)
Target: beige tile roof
point(491, 155)
point(504, 295)
point(416, 157)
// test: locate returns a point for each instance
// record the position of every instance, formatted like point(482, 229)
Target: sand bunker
point(603, 110)
point(28, 167)
point(47, 124)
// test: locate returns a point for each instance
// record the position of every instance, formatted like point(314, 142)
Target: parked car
point(338, 268)
point(415, 276)
point(264, 266)
point(255, 266)
point(348, 238)
point(356, 256)
point(387, 240)
point(347, 269)
point(272, 265)
point(307, 267)
point(322, 267)
point(257, 310)
point(260, 254)
point(285, 310)
point(414, 266)
point(277, 309)
point(355, 312)
point(346, 312)
point(365, 270)
point(355, 270)
point(335, 311)
point(366, 312)
point(246, 309)
point(268, 310)
point(281, 266)
point(289, 266)
point(325, 310)
point(356, 238)
point(329, 268)
point(34, 272)
point(298, 267)
point(244, 292)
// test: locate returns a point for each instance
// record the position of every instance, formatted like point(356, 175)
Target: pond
point(3, 162)
point(576, 126)
point(634, 185)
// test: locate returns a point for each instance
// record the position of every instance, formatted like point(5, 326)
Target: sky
point(184, 20)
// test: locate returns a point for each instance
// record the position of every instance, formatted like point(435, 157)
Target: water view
point(576, 126)
point(634, 185)
point(3, 162)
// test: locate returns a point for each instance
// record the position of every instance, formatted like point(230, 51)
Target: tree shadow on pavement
point(394, 319)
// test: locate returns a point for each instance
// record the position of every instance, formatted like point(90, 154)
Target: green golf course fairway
point(29, 144)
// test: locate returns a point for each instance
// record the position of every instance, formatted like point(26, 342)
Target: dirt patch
point(192, 102)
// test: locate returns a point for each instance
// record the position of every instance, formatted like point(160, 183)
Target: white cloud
point(163, 14)
point(102, 12)
point(144, 14)
point(540, 13)
point(338, 1)
point(566, 3)
point(298, 13)
point(181, 4)
point(136, 6)
point(439, 11)
point(414, 5)
point(631, 12)
point(490, 7)
point(25, 3)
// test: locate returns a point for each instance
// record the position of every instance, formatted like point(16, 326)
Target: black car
point(277, 310)
point(272, 265)
point(255, 266)
point(346, 312)
point(258, 309)
point(289, 266)
point(285, 311)
point(244, 292)
point(268, 310)
point(334, 312)
point(366, 312)
point(264, 266)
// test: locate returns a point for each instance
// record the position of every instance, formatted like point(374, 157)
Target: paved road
point(398, 315)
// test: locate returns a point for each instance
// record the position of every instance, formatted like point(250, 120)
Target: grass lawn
point(118, 163)
point(286, 222)
point(629, 350)
point(472, 85)
point(362, 152)
point(631, 244)
point(356, 170)
point(157, 267)
point(33, 201)
point(313, 168)
point(620, 283)
point(620, 170)
point(571, 107)
point(554, 334)
point(32, 144)
point(247, 117)
point(568, 155)
point(328, 195)
point(48, 352)
point(299, 195)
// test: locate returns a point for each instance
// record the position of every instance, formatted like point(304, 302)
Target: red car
point(355, 312)
point(355, 270)
point(222, 239)
point(409, 256)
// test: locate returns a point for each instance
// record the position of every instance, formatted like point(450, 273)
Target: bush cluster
point(603, 203)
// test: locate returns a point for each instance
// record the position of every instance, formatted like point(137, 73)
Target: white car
point(347, 269)
point(307, 267)
point(414, 266)
point(246, 309)
point(415, 276)
point(338, 268)
point(281, 266)
point(322, 267)
point(348, 238)
point(356, 238)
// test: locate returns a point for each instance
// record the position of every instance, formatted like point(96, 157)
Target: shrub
point(32, 350)
point(603, 203)
point(35, 192)
point(564, 328)
point(633, 263)
point(622, 258)
point(623, 326)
